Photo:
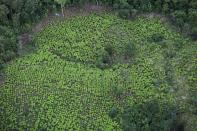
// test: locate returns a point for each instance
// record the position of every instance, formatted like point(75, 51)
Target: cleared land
point(85, 66)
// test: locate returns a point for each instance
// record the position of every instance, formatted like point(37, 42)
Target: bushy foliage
point(117, 91)
point(149, 116)
point(193, 99)
point(8, 47)
point(129, 50)
point(61, 76)
point(20, 14)
point(104, 60)
point(1, 64)
point(109, 56)
point(146, 116)
point(179, 17)
point(113, 113)
point(194, 33)
point(110, 50)
point(182, 12)
point(17, 16)
point(157, 38)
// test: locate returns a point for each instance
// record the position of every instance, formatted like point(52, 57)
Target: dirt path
point(69, 12)
point(51, 18)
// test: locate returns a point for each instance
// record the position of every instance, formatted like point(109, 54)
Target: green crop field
point(86, 67)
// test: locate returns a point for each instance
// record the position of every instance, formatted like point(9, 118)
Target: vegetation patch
point(100, 72)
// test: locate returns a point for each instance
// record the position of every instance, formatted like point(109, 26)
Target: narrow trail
point(53, 17)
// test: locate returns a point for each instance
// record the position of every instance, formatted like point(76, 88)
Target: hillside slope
point(88, 67)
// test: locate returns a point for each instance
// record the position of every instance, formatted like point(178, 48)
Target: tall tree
point(62, 3)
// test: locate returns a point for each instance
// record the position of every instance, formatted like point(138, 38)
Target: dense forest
point(133, 73)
